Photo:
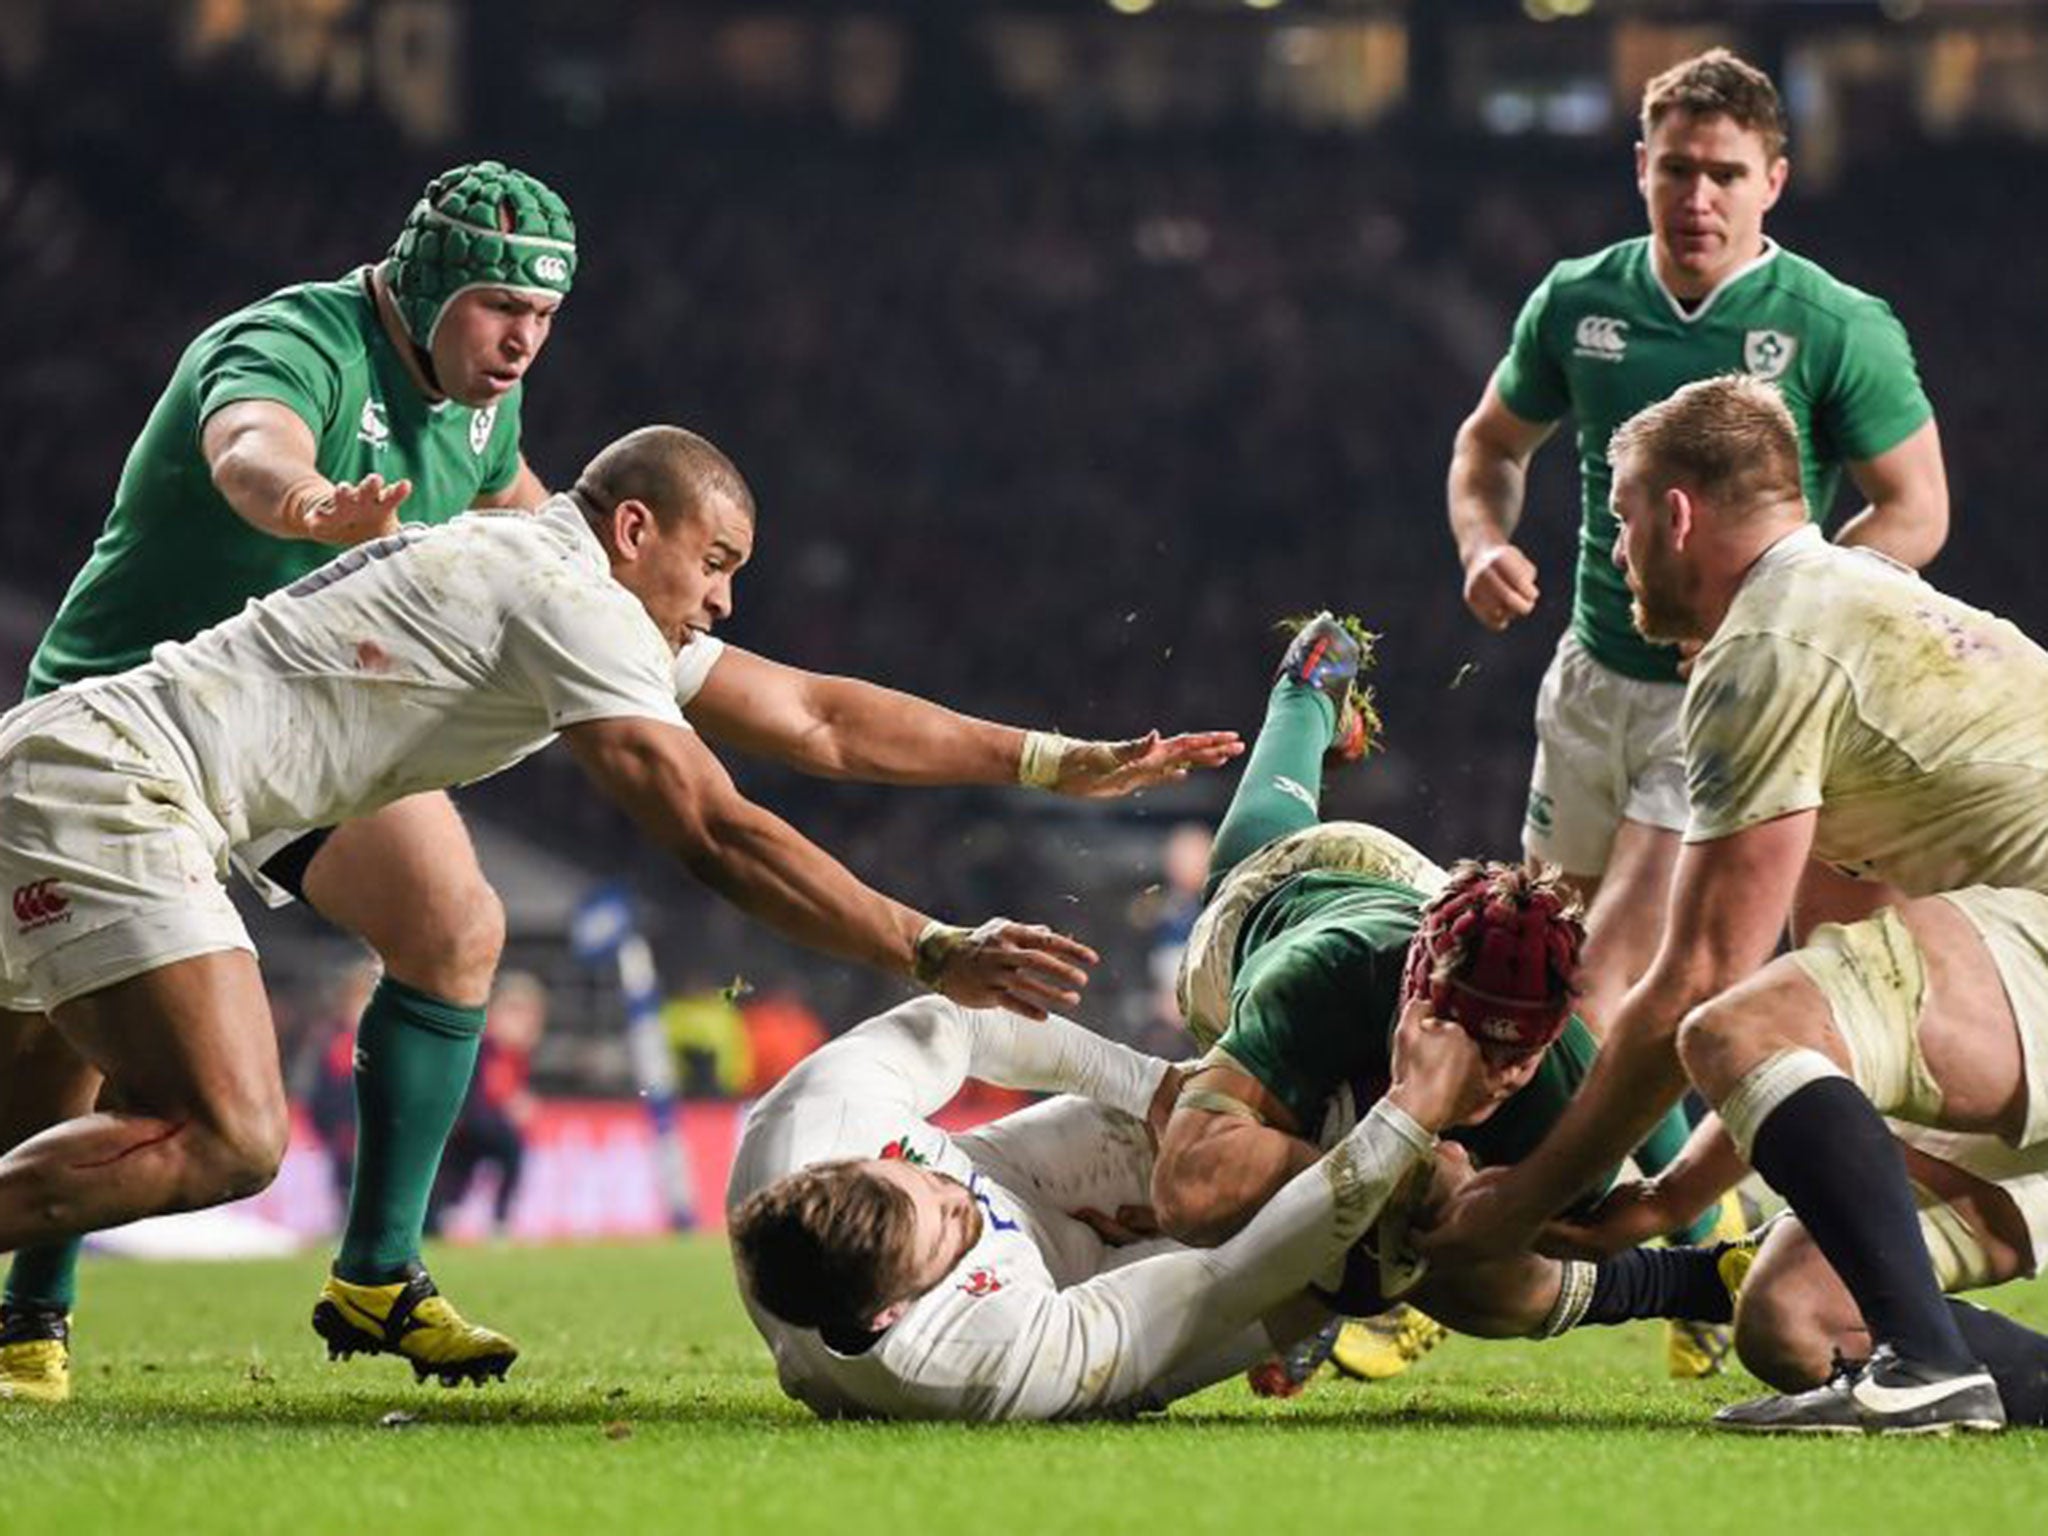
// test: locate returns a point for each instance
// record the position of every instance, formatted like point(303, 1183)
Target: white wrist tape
point(1038, 765)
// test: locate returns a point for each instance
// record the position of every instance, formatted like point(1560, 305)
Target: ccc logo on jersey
point(1601, 337)
point(39, 904)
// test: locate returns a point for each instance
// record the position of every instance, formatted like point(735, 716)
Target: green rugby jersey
point(1317, 994)
point(1601, 338)
point(174, 557)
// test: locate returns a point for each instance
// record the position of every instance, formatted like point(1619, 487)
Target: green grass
point(644, 1403)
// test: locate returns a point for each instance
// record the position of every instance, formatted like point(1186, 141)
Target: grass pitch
point(643, 1402)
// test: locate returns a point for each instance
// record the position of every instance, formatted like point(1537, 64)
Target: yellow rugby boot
point(35, 1355)
point(1695, 1351)
point(1376, 1348)
point(410, 1318)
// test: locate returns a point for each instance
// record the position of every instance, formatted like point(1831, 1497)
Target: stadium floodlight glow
point(1263, 5)
point(1131, 7)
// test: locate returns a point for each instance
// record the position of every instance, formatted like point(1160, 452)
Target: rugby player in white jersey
point(900, 1272)
point(1841, 710)
point(430, 658)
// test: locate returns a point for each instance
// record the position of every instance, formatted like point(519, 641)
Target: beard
point(1660, 620)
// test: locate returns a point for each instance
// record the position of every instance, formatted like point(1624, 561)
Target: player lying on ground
point(900, 1272)
point(432, 657)
point(1841, 709)
point(1293, 979)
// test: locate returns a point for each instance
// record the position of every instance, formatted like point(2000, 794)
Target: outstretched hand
point(354, 513)
point(1102, 770)
point(1024, 967)
point(1629, 1215)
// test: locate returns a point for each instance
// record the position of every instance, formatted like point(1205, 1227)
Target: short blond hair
point(1730, 440)
point(1718, 84)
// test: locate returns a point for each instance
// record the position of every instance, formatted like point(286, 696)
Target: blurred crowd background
point(1068, 348)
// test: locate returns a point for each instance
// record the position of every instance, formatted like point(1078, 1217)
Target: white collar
point(1699, 310)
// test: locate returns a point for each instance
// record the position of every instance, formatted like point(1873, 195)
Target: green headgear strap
point(478, 226)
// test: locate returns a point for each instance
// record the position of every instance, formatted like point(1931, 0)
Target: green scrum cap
point(478, 226)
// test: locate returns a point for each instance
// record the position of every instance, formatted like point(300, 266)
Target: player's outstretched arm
point(847, 728)
point(1489, 472)
point(1633, 1213)
point(263, 460)
point(1729, 900)
point(668, 781)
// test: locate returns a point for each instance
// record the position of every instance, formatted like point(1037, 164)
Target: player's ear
point(1642, 168)
point(1775, 175)
point(888, 1316)
point(632, 526)
point(1682, 512)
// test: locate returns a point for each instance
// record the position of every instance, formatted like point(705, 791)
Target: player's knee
point(451, 944)
point(1712, 1040)
point(1783, 1339)
point(237, 1153)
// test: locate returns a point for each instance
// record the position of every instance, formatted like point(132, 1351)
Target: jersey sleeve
point(262, 360)
point(1530, 381)
point(907, 1062)
point(501, 457)
point(587, 650)
point(693, 666)
point(1760, 713)
point(1874, 400)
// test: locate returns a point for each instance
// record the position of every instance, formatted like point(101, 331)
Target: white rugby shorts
point(1608, 748)
point(110, 862)
point(1874, 979)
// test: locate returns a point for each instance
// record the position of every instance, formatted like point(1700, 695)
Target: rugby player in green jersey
point(1294, 978)
point(317, 418)
point(1706, 292)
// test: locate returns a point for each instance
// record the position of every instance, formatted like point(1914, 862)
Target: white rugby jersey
point(1013, 1332)
point(437, 656)
point(1913, 723)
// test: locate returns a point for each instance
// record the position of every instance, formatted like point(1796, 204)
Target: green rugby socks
point(415, 1054)
point(1282, 788)
point(45, 1278)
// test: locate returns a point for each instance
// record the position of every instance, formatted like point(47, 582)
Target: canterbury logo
point(551, 269)
point(38, 904)
point(1601, 336)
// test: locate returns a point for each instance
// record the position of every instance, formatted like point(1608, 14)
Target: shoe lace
point(1845, 1368)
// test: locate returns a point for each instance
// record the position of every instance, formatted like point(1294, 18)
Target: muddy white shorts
point(109, 860)
point(1875, 982)
point(1608, 748)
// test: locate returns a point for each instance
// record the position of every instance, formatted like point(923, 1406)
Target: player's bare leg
point(406, 881)
point(1795, 1319)
point(42, 1082)
point(191, 1047)
point(1771, 1054)
point(1625, 907)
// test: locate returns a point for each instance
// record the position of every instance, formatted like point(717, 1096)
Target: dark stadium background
point(1067, 347)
